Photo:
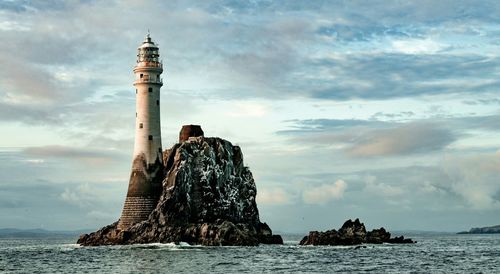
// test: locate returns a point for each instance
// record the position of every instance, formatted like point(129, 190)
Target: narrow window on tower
point(142, 75)
point(140, 125)
point(150, 89)
point(157, 102)
point(160, 150)
point(136, 114)
point(150, 137)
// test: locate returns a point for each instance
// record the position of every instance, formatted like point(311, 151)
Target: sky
point(387, 111)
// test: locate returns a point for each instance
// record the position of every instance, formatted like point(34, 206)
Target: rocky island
point(207, 198)
point(199, 191)
point(483, 230)
point(352, 233)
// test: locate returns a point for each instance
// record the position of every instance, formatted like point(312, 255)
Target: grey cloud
point(492, 101)
point(23, 80)
point(400, 115)
point(315, 125)
point(70, 205)
point(395, 75)
point(16, 194)
point(29, 114)
point(471, 122)
point(83, 122)
point(379, 10)
point(374, 137)
point(362, 138)
point(71, 152)
point(271, 62)
point(490, 122)
point(247, 51)
point(475, 178)
point(12, 202)
point(60, 44)
point(364, 21)
point(346, 33)
point(497, 196)
point(56, 37)
point(26, 5)
point(406, 139)
point(69, 197)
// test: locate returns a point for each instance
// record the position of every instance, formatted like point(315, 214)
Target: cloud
point(316, 125)
point(87, 155)
point(81, 195)
point(384, 76)
point(428, 187)
point(68, 68)
point(490, 122)
point(417, 46)
point(324, 193)
point(249, 109)
point(26, 6)
point(251, 52)
point(273, 196)
point(367, 138)
point(489, 101)
point(59, 183)
point(382, 189)
point(28, 204)
point(400, 115)
point(475, 178)
point(405, 139)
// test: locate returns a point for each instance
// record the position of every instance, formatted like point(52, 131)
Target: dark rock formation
point(208, 198)
point(351, 233)
point(378, 236)
point(483, 230)
point(400, 240)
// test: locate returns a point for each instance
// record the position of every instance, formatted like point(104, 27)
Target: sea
point(433, 253)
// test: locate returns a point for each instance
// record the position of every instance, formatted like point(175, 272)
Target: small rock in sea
point(352, 233)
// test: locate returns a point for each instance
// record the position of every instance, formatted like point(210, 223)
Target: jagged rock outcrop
point(208, 198)
point(352, 233)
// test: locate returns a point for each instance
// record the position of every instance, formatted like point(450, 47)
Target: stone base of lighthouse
point(144, 190)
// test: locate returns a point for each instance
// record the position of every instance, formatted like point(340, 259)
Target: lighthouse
point(146, 176)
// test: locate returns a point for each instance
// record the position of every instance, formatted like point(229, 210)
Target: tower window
point(150, 89)
point(142, 75)
point(150, 137)
point(160, 150)
point(140, 125)
point(157, 102)
point(135, 91)
point(136, 114)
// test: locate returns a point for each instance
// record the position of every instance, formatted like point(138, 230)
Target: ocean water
point(434, 253)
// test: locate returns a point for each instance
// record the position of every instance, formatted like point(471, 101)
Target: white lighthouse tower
point(147, 169)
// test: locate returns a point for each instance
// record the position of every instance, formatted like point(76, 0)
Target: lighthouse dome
point(148, 43)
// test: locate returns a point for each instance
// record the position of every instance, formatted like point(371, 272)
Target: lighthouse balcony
point(149, 64)
point(149, 80)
